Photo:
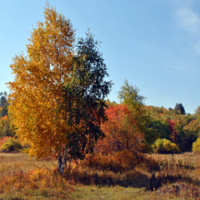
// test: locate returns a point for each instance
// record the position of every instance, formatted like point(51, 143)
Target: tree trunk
point(62, 160)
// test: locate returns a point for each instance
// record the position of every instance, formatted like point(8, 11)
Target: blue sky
point(153, 44)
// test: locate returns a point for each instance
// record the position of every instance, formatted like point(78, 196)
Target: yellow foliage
point(167, 145)
point(11, 144)
point(196, 145)
point(37, 88)
point(164, 146)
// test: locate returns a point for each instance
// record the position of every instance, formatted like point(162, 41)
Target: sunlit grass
point(178, 178)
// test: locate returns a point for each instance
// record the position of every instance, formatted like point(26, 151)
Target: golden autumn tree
point(56, 99)
point(37, 89)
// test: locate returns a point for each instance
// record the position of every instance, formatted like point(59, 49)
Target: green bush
point(164, 146)
point(11, 145)
point(8, 146)
point(16, 143)
point(196, 145)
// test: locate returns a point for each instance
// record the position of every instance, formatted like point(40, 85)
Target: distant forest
point(173, 124)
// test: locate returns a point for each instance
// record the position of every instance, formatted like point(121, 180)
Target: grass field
point(178, 178)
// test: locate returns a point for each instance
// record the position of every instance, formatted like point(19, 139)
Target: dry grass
point(178, 178)
point(190, 162)
point(15, 162)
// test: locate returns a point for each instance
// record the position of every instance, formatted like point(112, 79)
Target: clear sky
point(154, 44)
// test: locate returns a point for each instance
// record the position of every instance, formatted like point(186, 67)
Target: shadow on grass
point(132, 178)
point(156, 182)
point(107, 178)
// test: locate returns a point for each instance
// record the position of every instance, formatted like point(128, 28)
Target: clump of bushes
point(196, 145)
point(164, 146)
point(119, 161)
point(11, 145)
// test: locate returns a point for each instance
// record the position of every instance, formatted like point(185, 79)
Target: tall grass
point(177, 177)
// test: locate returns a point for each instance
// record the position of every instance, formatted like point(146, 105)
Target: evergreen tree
point(84, 97)
point(179, 109)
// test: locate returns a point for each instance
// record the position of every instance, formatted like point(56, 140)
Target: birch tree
point(37, 89)
point(56, 97)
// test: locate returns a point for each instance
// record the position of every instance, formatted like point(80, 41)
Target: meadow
point(177, 178)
